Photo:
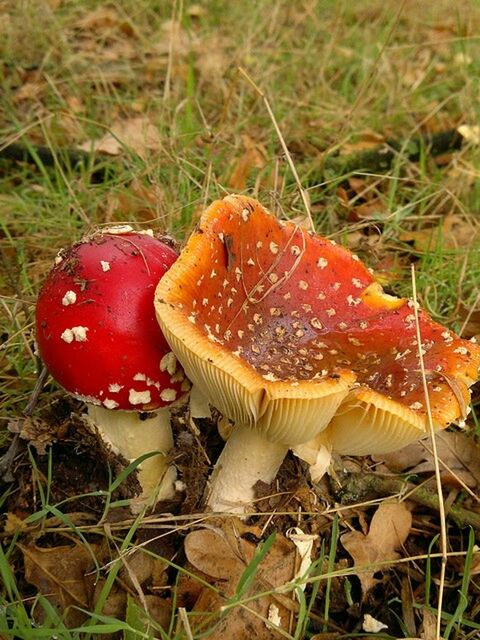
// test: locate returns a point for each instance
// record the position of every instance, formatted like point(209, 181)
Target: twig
point(303, 192)
point(377, 160)
point(357, 486)
point(31, 153)
point(381, 158)
point(8, 457)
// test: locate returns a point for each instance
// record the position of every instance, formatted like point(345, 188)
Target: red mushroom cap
point(286, 307)
point(96, 326)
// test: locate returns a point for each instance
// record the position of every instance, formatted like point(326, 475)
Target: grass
point(335, 73)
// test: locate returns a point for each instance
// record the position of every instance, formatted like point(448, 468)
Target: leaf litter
point(224, 555)
point(389, 528)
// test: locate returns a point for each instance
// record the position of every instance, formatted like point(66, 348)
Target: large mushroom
point(98, 337)
point(277, 326)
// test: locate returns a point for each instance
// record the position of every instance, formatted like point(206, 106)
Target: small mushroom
point(98, 337)
point(278, 327)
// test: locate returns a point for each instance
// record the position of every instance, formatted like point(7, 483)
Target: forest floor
point(138, 112)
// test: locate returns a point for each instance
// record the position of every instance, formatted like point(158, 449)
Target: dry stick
point(355, 485)
point(381, 158)
point(303, 192)
point(441, 509)
point(21, 152)
point(8, 457)
point(376, 160)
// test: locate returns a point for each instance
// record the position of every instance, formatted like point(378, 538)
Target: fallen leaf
point(429, 625)
point(135, 201)
point(116, 602)
point(13, 524)
point(212, 59)
point(139, 134)
point(29, 91)
point(139, 614)
point(38, 432)
point(60, 574)
point(173, 40)
point(388, 531)
point(366, 140)
point(457, 449)
point(454, 232)
point(253, 157)
point(223, 554)
point(304, 544)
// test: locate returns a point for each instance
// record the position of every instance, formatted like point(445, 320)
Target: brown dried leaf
point(389, 529)
point(158, 608)
point(208, 550)
point(223, 555)
point(212, 59)
point(455, 448)
point(13, 524)
point(60, 574)
point(138, 133)
point(173, 39)
point(454, 232)
point(253, 157)
point(367, 140)
point(139, 201)
point(36, 431)
point(29, 91)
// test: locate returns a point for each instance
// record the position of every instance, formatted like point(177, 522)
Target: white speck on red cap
point(77, 334)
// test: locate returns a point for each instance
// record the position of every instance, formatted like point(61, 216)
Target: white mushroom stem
point(129, 436)
point(246, 458)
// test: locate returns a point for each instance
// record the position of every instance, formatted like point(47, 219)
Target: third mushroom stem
point(246, 458)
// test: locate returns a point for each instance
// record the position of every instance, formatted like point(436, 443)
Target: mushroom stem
point(246, 458)
point(130, 436)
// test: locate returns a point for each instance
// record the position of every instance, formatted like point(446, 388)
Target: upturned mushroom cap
point(242, 310)
point(96, 326)
point(275, 324)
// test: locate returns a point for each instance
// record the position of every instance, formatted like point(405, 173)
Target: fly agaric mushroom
point(98, 337)
point(275, 325)
point(241, 310)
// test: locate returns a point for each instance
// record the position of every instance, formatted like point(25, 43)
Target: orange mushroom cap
point(271, 312)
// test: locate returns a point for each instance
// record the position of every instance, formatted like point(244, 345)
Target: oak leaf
point(388, 531)
point(61, 575)
point(224, 555)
